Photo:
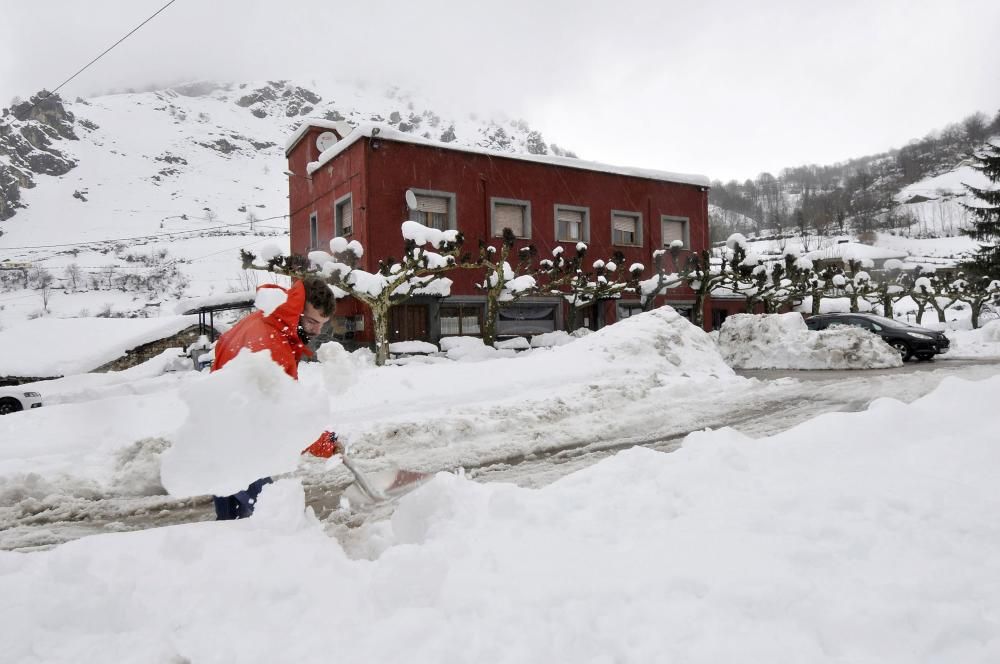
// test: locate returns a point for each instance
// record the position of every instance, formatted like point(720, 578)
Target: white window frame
point(637, 216)
point(525, 205)
point(313, 230)
point(432, 193)
point(338, 215)
point(685, 232)
point(584, 232)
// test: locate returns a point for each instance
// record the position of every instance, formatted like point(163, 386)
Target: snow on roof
point(297, 135)
point(949, 183)
point(854, 250)
point(46, 347)
point(192, 304)
point(368, 130)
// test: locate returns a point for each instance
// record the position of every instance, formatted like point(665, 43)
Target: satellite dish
point(326, 140)
point(411, 199)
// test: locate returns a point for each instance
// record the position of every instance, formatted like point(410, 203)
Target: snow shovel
point(381, 486)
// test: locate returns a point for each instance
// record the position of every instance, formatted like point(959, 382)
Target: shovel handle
point(362, 481)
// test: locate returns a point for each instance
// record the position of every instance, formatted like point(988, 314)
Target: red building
point(361, 184)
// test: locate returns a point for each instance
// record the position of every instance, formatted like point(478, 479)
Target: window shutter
point(508, 216)
point(346, 215)
point(432, 204)
point(624, 224)
point(570, 224)
point(571, 216)
point(672, 230)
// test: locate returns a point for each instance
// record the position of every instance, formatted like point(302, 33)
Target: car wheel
point(9, 405)
point(902, 349)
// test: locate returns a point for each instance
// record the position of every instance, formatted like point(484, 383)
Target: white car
point(13, 399)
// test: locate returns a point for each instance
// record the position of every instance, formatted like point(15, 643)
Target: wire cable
point(105, 52)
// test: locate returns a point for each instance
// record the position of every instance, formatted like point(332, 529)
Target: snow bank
point(64, 346)
point(983, 343)
point(782, 341)
point(412, 347)
point(849, 538)
point(248, 420)
point(470, 349)
point(514, 343)
point(660, 340)
point(550, 339)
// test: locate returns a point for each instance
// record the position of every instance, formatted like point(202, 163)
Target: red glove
point(325, 446)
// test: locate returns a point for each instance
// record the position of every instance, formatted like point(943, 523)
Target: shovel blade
point(384, 485)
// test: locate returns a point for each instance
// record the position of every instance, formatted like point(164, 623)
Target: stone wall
point(140, 354)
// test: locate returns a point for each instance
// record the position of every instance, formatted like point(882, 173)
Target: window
point(516, 319)
point(572, 223)
point(512, 214)
point(343, 216)
point(626, 228)
point(313, 231)
point(461, 319)
point(675, 229)
point(435, 209)
point(628, 309)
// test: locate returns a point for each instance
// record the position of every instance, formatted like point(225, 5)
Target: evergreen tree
point(986, 262)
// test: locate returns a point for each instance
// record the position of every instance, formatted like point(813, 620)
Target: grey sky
point(727, 89)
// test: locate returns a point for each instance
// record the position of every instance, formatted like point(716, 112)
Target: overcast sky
point(725, 89)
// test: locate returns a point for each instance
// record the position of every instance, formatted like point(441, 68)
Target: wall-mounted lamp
point(376, 141)
point(304, 177)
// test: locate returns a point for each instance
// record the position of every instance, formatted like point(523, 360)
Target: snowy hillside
point(151, 195)
point(936, 209)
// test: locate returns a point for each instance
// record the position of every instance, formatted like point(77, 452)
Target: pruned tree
point(928, 291)
point(418, 272)
point(857, 281)
point(703, 272)
point(976, 292)
point(888, 288)
point(502, 284)
point(667, 276)
point(581, 286)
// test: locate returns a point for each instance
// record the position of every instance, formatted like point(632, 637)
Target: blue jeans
point(239, 505)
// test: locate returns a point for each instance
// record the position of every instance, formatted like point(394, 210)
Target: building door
point(408, 322)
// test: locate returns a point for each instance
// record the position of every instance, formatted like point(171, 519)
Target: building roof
point(385, 132)
point(296, 136)
point(221, 302)
point(50, 346)
point(854, 250)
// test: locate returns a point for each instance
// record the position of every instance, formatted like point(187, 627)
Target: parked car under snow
point(14, 399)
point(908, 340)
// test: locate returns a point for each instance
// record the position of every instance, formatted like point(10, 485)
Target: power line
point(142, 237)
point(106, 51)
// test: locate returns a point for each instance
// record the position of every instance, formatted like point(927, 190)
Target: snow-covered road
point(767, 403)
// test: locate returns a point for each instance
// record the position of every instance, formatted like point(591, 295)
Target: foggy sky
point(718, 88)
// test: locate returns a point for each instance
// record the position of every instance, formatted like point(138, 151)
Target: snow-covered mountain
point(122, 203)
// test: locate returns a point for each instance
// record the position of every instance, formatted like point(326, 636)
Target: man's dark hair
point(319, 295)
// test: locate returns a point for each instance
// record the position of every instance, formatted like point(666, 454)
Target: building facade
point(362, 183)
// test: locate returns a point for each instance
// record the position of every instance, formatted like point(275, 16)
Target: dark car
point(909, 340)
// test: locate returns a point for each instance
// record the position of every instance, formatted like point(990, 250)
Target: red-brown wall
point(379, 172)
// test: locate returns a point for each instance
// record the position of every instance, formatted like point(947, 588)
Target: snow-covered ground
point(853, 537)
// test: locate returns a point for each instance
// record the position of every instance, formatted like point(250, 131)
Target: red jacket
point(278, 333)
